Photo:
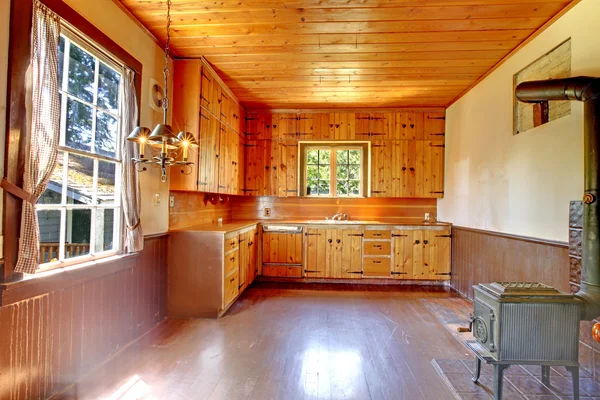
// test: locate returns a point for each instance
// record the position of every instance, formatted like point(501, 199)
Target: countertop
point(238, 225)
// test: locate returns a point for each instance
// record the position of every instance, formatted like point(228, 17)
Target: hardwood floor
point(290, 341)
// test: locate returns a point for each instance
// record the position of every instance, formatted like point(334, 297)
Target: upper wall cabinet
point(203, 106)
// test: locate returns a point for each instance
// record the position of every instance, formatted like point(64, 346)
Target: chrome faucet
point(340, 217)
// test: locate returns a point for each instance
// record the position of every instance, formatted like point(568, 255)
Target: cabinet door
point(434, 125)
point(351, 259)
point(306, 128)
point(241, 177)
point(186, 111)
point(235, 161)
point(207, 95)
point(362, 126)
point(272, 168)
point(440, 253)
point(282, 248)
point(257, 158)
point(345, 125)
point(208, 150)
point(381, 124)
point(286, 126)
point(412, 169)
point(402, 267)
point(409, 125)
point(225, 158)
point(288, 168)
point(322, 126)
point(258, 126)
point(381, 169)
point(433, 165)
point(224, 107)
point(421, 255)
point(244, 256)
point(316, 253)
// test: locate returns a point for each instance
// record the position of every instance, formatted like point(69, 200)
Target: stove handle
point(462, 329)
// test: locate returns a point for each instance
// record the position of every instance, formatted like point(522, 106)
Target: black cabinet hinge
point(312, 234)
point(311, 271)
point(250, 145)
point(437, 145)
point(436, 192)
point(438, 134)
point(204, 116)
point(355, 272)
point(377, 145)
point(249, 190)
point(250, 119)
point(291, 191)
point(394, 235)
point(356, 234)
point(377, 191)
point(448, 236)
point(399, 273)
point(445, 273)
point(428, 117)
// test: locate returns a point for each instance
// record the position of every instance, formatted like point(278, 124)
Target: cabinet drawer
point(376, 266)
point(378, 248)
point(232, 262)
point(231, 242)
point(231, 287)
point(377, 234)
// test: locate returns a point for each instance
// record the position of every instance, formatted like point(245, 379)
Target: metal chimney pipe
point(587, 90)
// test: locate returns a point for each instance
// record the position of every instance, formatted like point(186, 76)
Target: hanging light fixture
point(163, 136)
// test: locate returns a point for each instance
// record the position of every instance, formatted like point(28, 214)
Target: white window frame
point(333, 147)
point(72, 38)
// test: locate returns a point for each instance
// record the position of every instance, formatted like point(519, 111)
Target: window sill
point(61, 277)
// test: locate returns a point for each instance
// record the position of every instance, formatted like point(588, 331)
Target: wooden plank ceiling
point(347, 53)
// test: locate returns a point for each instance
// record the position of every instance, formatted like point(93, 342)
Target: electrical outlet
point(171, 201)
point(427, 216)
point(267, 212)
point(157, 199)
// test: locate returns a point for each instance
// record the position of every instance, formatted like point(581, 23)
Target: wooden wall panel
point(482, 256)
point(49, 341)
point(294, 208)
point(190, 209)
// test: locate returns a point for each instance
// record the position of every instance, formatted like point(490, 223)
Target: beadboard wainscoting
point(54, 332)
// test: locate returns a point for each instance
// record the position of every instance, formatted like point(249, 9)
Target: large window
point(334, 169)
point(79, 213)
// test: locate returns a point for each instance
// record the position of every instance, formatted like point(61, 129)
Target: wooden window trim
point(21, 13)
point(319, 145)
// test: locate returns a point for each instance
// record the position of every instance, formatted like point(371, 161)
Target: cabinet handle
point(376, 262)
point(331, 125)
point(412, 169)
point(417, 241)
point(425, 241)
point(377, 234)
point(377, 246)
point(232, 259)
point(403, 168)
point(412, 125)
point(232, 279)
point(404, 125)
point(329, 240)
point(338, 240)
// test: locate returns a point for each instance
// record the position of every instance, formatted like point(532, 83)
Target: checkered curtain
point(43, 116)
point(130, 189)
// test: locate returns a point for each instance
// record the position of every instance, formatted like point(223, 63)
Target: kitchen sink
point(336, 222)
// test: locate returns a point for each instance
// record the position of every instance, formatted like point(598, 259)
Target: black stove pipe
point(587, 90)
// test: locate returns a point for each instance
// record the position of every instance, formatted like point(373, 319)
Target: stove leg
point(498, 379)
point(546, 375)
point(477, 370)
point(575, 374)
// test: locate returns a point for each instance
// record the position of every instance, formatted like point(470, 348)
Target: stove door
point(484, 326)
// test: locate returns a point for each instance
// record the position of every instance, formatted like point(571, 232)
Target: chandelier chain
point(165, 102)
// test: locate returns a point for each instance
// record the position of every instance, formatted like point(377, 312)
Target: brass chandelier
point(163, 136)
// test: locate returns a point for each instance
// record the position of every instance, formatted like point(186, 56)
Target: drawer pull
point(376, 262)
point(378, 246)
point(417, 241)
point(232, 279)
point(232, 259)
point(233, 242)
point(338, 240)
point(330, 240)
point(425, 241)
point(377, 234)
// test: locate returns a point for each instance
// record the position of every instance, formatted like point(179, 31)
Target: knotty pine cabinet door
point(257, 170)
point(333, 253)
point(286, 126)
point(209, 93)
point(408, 125)
point(433, 154)
point(434, 125)
point(186, 115)
point(208, 151)
point(225, 157)
point(317, 253)
point(287, 168)
point(342, 126)
point(422, 254)
point(322, 127)
point(351, 254)
point(362, 126)
point(248, 258)
point(306, 129)
point(381, 168)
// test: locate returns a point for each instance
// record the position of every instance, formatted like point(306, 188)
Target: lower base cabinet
point(333, 253)
point(422, 254)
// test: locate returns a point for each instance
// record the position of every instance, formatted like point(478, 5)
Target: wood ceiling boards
point(347, 53)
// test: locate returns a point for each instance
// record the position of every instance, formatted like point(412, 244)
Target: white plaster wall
point(113, 22)
point(519, 184)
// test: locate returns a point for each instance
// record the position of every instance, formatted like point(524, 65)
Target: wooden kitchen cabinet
point(434, 125)
point(408, 125)
point(287, 168)
point(229, 161)
point(248, 244)
point(381, 169)
point(433, 153)
point(374, 125)
point(208, 151)
point(258, 126)
point(257, 168)
point(377, 253)
point(333, 253)
point(421, 254)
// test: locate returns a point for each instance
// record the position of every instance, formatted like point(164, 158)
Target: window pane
point(311, 188)
point(105, 224)
point(354, 157)
point(342, 172)
point(79, 126)
point(108, 88)
point(61, 60)
point(342, 156)
point(312, 172)
point(324, 156)
point(53, 192)
point(354, 188)
point(313, 156)
point(107, 173)
point(81, 74)
point(106, 134)
point(324, 172)
point(77, 241)
point(354, 172)
point(80, 185)
point(49, 223)
point(342, 188)
point(323, 187)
